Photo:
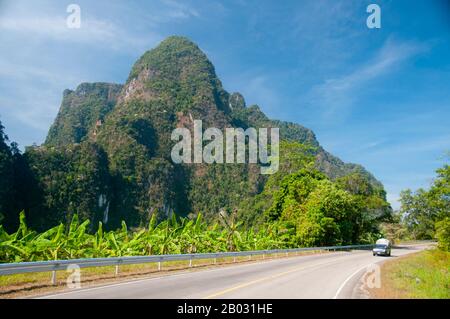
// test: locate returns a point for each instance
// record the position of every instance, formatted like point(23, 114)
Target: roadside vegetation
point(421, 275)
point(173, 236)
point(424, 214)
point(298, 207)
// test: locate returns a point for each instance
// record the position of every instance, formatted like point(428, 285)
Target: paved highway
point(331, 275)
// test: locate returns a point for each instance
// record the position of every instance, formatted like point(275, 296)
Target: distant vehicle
point(382, 247)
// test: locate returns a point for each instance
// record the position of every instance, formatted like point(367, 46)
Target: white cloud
point(32, 93)
point(32, 107)
point(41, 56)
point(92, 32)
point(258, 89)
point(22, 72)
point(111, 27)
point(339, 93)
point(179, 9)
point(261, 85)
point(435, 144)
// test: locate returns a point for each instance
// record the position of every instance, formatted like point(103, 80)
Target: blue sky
point(378, 97)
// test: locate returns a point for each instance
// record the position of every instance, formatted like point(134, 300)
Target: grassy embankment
point(422, 275)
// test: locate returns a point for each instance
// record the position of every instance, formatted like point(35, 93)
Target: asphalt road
point(331, 275)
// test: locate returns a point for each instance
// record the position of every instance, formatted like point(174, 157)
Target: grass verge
point(424, 275)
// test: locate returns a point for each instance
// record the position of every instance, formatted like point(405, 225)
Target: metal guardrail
point(54, 265)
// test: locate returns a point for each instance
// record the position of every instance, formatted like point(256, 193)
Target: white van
point(382, 247)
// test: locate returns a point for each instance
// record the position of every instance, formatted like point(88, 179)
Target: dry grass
point(421, 275)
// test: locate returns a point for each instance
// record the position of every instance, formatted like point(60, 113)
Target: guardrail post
point(190, 263)
point(264, 256)
point(234, 259)
point(117, 270)
point(53, 281)
point(159, 266)
point(215, 260)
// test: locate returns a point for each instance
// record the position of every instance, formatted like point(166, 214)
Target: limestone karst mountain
point(110, 146)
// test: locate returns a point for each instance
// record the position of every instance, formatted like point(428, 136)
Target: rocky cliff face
point(81, 112)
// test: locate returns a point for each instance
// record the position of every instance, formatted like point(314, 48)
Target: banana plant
point(172, 236)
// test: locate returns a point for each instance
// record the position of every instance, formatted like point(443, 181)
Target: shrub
point(443, 234)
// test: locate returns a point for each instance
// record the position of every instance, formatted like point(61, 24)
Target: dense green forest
point(308, 210)
point(299, 206)
point(106, 161)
